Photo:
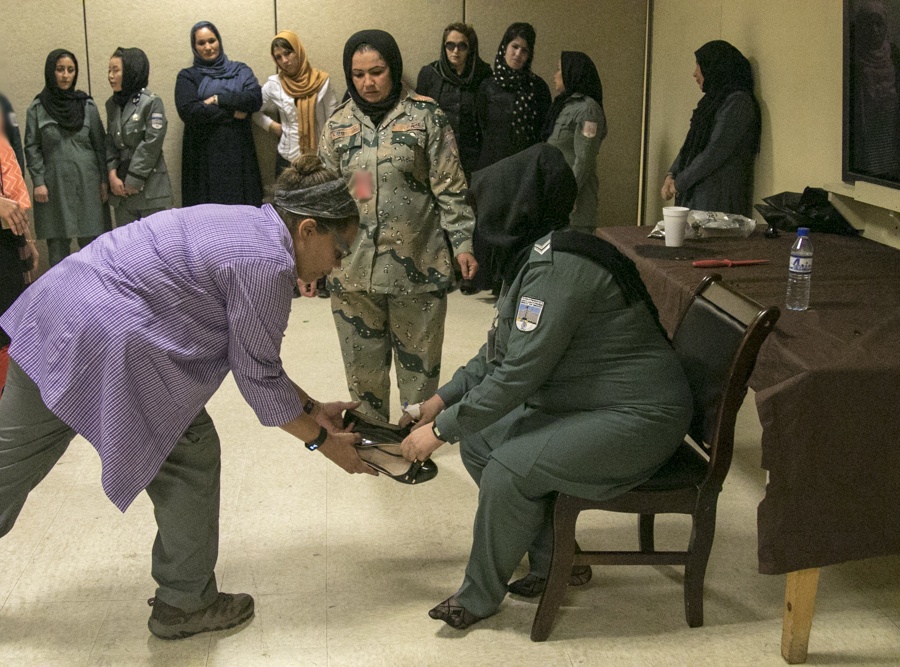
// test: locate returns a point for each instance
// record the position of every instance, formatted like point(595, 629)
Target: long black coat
point(494, 107)
point(218, 159)
point(458, 103)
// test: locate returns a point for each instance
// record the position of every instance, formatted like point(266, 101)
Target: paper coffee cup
point(675, 218)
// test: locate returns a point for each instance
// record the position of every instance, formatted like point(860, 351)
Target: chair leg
point(645, 532)
point(564, 518)
point(702, 534)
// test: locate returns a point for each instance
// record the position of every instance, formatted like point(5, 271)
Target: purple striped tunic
point(130, 337)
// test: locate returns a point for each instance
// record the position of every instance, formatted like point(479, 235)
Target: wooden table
point(827, 385)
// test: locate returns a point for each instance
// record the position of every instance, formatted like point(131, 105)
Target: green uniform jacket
point(574, 376)
point(417, 203)
point(72, 165)
point(136, 132)
point(578, 133)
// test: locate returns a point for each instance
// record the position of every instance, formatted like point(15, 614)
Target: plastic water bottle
point(800, 271)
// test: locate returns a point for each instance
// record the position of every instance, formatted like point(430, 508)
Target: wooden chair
point(717, 341)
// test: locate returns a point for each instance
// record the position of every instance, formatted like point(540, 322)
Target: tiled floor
point(345, 568)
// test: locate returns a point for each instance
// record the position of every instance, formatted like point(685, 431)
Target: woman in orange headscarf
point(18, 255)
point(301, 95)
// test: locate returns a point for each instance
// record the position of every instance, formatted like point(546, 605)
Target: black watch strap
point(313, 445)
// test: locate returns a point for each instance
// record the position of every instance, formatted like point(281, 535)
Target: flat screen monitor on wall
point(871, 143)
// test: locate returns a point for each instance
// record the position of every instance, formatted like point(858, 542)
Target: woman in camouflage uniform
point(398, 154)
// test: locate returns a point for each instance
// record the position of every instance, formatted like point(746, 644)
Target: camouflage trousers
point(373, 329)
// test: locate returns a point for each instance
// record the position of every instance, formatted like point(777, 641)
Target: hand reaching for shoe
point(338, 448)
point(420, 444)
point(428, 410)
point(331, 415)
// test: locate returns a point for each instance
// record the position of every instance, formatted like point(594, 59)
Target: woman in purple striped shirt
point(126, 341)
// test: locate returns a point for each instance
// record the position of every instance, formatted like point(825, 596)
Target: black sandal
point(451, 612)
point(531, 585)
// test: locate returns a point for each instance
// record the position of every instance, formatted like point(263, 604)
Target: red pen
point(716, 263)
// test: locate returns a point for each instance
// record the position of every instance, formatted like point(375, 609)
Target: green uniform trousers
point(373, 327)
point(185, 492)
point(515, 516)
point(125, 215)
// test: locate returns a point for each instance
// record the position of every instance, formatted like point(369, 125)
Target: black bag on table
point(787, 211)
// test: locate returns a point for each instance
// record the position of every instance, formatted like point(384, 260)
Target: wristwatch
point(313, 445)
point(437, 433)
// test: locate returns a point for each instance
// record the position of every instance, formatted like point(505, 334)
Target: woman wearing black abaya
point(576, 125)
point(453, 81)
point(215, 99)
point(577, 389)
point(714, 168)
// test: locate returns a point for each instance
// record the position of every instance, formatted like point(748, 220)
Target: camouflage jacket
point(417, 204)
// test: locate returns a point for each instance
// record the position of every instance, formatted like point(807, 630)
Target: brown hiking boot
point(228, 611)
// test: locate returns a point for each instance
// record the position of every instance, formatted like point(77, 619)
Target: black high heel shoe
point(380, 449)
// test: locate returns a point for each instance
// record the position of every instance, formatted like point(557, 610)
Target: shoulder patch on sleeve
point(156, 120)
point(422, 98)
point(589, 129)
point(528, 314)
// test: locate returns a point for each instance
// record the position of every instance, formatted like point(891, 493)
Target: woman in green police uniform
point(135, 130)
point(577, 389)
point(398, 154)
point(576, 125)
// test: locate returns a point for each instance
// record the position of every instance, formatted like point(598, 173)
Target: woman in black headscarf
point(714, 168)
point(577, 389)
point(397, 153)
point(512, 105)
point(65, 152)
point(453, 81)
point(215, 98)
point(576, 125)
point(135, 129)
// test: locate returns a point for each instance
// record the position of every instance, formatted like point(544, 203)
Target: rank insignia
point(529, 313)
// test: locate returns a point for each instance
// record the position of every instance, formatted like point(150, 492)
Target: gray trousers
point(515, 516)
point(185, 492)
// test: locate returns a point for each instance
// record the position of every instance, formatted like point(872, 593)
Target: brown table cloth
point(827, 385)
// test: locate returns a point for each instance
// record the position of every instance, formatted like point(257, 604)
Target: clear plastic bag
point(712, 224)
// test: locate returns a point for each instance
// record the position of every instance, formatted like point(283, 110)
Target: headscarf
point(521, 83)
point(328, 201)
point(519, 200)
point(475, 70)
point(386, 45)
point(221, 67)
point(522, 198)
point(725, 70)
point(872, 59)
point(579, 75)
point(66, 107)
point(135, 74)
point(304, 88)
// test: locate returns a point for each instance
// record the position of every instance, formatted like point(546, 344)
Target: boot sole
point(183, 634)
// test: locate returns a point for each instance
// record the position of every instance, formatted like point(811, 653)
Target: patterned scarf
point(521, 83)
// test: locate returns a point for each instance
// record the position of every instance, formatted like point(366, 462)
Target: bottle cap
point(803, 231)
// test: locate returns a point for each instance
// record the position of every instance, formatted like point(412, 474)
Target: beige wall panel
point(324, 27)
point(26, 40)
point(162, 30)
point(612, 33)
point(795, 49)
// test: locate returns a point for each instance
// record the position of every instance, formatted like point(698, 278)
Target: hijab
point(579, 75)
point(475, 70)
point(221, 67)
point(66, 107)
point(725, 70)
point(522, 198)
point(387, 47)
point(304, 88)
point(135, 74)
point(874, 66)
point(521, 83)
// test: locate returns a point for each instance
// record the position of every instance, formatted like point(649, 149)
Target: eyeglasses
point(342, 249)
point(462, 47)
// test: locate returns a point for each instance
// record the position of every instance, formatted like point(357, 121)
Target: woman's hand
point(331, 415)
point(467, 264)
point(116, 185)
point(14, 215)
point(275, 128)
point(212, 99)
point(307, 289)
point(668, 188)
point(338, 448)
point(130, 190)
point(428, 410)
point(240, 115)
point(420, 444)
point(41, 194)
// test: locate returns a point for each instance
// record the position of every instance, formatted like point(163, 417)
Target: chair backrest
point(717, 341)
